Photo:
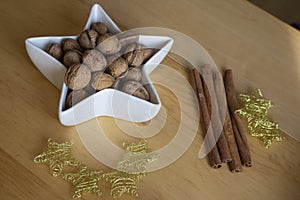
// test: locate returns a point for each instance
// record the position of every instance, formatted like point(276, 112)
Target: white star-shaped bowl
point(108, 102)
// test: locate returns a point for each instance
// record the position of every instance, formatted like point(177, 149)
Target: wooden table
point(262, 51)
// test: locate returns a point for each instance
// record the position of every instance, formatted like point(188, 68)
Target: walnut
point(55, 50)
point(118, 67)
point(147, 54)
point(101, 80)
point(77, 76)
point(129, 53)
point(99, 27)
point(134, 55)
point(72, 57)
point(88, 39)
point(117, 84)
point(108, 44)
point(94, 60)
point(70, 44)
point(136, 89)
point(138, 58)
point(134, 74)
point(75, 97)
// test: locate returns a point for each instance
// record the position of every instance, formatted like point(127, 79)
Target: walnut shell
point(72, 57)
point(55, 50)
point(70, 44)
point(88, 39)
point(134, 74)
point(117, 67)
point(94, 60)
point(99, 27)
point(129, 53)
point(117, 84)
point(134, 55)
point(147, 54)
point(101, 80)
point(75, 97)
point(77, 76)
point(108, 44)
point(136, 89)
point(138, 58)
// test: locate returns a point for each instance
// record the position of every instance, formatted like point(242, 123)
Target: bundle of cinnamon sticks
point(226, 138)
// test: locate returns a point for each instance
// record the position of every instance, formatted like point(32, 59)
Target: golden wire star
point(137, 157)
point(84, 181)
point(255, 110)
point(56, 156)
point(131, 169)
point(122, 182)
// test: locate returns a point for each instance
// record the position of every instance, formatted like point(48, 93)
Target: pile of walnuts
point(98, 60)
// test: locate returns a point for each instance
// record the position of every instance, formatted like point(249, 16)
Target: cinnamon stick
point(239, 126)
point(211, 99)
point(243, 151)
point(213, 155)
point(235, 165)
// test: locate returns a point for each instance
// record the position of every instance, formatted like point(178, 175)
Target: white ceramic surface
point(108, 102)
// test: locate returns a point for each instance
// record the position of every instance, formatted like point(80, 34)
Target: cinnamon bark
point(235, 165)
point(239, 126)
point(211, 100)
point(213, 155)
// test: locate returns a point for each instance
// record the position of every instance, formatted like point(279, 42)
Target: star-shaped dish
point(108, 102)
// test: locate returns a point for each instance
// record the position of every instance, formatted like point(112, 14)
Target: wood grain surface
point(262, 51)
